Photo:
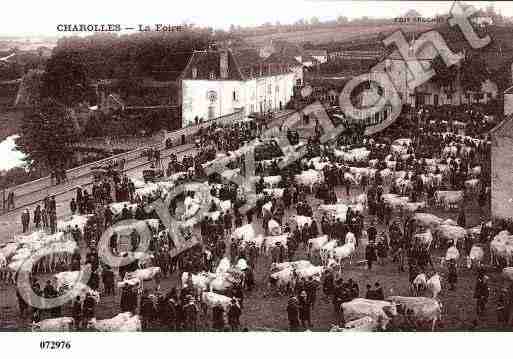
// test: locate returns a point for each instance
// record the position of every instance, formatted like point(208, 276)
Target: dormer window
point(212, 75)
point(194, 72)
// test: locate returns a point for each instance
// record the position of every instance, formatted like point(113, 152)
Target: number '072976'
point(54, 344)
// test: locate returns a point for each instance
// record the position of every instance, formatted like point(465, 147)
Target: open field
point(336, 34)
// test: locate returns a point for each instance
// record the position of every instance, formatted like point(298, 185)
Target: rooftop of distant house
point(240, 65)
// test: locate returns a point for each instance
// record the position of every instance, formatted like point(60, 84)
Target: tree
point(342, 19)
point(29, 92)
point(65, 78)
point(47, 135)
point(473, 73)
point(445, 76)
point(412, 14)
point(314, 20)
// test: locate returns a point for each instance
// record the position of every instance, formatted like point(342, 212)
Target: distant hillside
point(340, 33)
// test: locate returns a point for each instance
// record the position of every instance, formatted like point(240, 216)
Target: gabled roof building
point(220, 82)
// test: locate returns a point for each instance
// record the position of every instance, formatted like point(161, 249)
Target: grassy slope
point(338, 33)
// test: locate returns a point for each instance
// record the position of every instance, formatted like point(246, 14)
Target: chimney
point(223, 64)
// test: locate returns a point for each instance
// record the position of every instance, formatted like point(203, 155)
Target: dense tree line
point(48, 133)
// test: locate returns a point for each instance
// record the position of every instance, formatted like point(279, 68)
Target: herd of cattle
point(359, 166)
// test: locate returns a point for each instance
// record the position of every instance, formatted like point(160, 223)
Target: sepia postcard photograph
point(271, 166)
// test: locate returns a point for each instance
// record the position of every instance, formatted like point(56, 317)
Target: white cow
point(327, 251)
point(272, 181)
point(302, 220)
point(309, 178)
point(427, 220)
point(200, 281)
point(315, 244)
point(448, 199)
point(379, 310)
point(424, 309)
point(501, 247)
point(223, 266)
point(452, 254)
point(419, 284)
point(271, 241)
point(274, 192)
point(434, 285)
point(211, 299)
point(425, 238)
point(114, 324)
point(302, 263)
point(61, 324)
point(507, 272)
point(472, 185)
point(365, 324)
point(475, 256)
point(274, 227)
point(245, 233)
point(447, 232)
point(345, 251)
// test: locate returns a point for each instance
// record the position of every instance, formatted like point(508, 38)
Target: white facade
point(210, 99)
point(321, 58)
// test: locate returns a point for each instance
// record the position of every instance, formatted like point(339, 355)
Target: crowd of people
point(383, 235)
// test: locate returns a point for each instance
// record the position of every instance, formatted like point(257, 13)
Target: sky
point(10, 157)
point(37, 17)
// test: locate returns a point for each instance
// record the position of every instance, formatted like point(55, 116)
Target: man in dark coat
point(108, 281)
point(190, 311)
point(76, 312)
point(311, 290)
point(481, 294)
point(147, 310)
point(218, 317)
point(305, 310)
point(370, 254)
point(293, 313)
point(88, 309)
point(234, 313)
point(378, 292)
point(73, 206)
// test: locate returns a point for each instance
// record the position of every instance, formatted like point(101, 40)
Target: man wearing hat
point(293, 313)
point(191, 313)
point(304, 310)
point(218, 317)
point(481, 294)
point(234, 313)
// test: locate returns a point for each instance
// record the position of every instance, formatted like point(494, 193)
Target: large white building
point(220, 82)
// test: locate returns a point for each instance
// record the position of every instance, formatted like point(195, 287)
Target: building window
point(298, 82)
point(212, 75)
point(234, 96)
point(194, 72)
point(270, 89)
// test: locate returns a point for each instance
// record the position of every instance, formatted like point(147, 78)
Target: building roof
point(424, 52)
point(315, 52)
point(242, 64)
point(281, 58)
point(247, 57)
point(509, 91)
point(308, 58)
point(503, 129)
point(287, 48)
point(207, 62)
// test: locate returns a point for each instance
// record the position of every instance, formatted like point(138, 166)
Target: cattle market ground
point(265, 311)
